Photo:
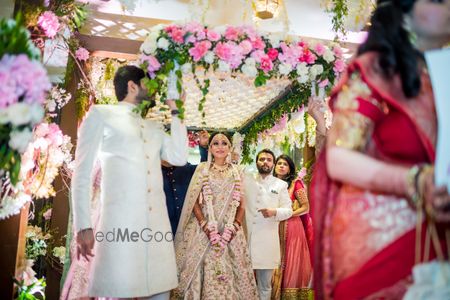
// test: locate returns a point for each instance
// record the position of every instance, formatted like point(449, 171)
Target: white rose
point(249, 70)
point(284, 68)
point(163, 43)
point(328, 56)
point(302, 69)
point(250, 61)
point(303, 78)
point(148, 47)
point(223, 66)
point(37, 113)
point(209, 57)
point(186, 68)
point(314, 71)
point(19, 114)
point(19, 139)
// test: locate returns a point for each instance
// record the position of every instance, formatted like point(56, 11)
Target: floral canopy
point(236, 71)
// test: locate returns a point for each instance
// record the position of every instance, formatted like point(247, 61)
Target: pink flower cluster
point(82, 54)
point(22, 79)
point(49, 22)
point(153, 64)
point(241, 48)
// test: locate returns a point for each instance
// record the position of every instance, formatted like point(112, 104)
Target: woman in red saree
point(292, 279)
point(378, 158)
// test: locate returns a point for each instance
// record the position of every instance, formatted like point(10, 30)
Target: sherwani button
point(150, 208)
point(149, 190)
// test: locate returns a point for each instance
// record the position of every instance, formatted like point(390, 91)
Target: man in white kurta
point(133, 249)
point(267, 203)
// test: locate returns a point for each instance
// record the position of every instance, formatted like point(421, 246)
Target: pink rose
point(232, 33)
point(48, 21)
point(246, 47)
point(257, 55)
point(213, 36)
point(199, 50)
point(201, 35)
point(266, 64)
point(82, 54)
point(177, 35)
point(258, 43)
point(320, 49)
point(307, 56)
point(170, 28)
point(272, 53)
point(339, 66)
point(223, 51)
point(302, 44)
point(191, 39)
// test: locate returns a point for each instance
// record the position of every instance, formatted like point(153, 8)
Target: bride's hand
point(437, 199)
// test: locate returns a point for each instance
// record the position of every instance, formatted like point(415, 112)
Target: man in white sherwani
point(133, 254)
point(267, 203)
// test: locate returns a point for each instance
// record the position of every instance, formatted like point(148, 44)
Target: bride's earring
point(228, 159)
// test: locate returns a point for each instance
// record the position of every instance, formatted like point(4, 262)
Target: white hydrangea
point(250, 61)
point(209, 57)
point(303, 79)
point(249, 70)
point(328, 55)
point(149, 46)
point(302, 69)
point(224, 66)
point(315, 71)
point(163, 43)
point(285, 69)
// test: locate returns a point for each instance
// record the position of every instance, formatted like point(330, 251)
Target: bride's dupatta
point(191, 243)
point(415, 122)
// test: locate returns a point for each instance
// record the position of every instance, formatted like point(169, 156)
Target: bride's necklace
point(220, 169)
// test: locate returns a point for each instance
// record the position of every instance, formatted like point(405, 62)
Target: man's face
point(142, 93)
point(265, 163)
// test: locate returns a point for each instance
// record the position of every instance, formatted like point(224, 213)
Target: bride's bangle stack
point(415, 183)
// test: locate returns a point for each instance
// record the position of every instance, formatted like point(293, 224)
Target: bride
point(211, 250)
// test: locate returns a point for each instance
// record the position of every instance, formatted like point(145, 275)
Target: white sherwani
point(263, 237)
point(129, 148)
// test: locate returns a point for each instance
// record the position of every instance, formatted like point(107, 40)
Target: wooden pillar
point(12, 250)
point(60, 210)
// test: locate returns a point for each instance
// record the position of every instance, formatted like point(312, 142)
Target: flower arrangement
point(170, 51)
point(27, 283)
point(56, 99)
point(60, 253)
point(48, 152)
point(36, 242)
point(349, 15)
point(22, 93)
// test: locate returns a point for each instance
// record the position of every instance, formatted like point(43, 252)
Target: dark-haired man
point(267, 203)
point(133, 253)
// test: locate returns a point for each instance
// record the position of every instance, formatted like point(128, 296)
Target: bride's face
point(220, 147)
